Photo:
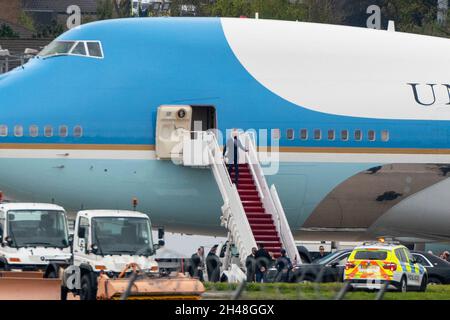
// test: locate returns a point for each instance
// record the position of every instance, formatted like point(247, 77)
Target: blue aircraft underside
point(166, 191)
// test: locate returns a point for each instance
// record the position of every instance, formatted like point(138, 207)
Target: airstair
point(252, 212)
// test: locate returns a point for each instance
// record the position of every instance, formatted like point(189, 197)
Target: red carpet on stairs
point(262, 224)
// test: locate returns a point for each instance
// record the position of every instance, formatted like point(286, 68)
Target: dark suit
point(231, 150)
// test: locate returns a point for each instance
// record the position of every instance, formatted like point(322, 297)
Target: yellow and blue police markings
point(371, 266)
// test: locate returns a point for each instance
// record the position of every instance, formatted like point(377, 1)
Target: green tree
point(7, 32)
point(105, 9)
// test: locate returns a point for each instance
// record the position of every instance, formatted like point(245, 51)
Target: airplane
point(361, 117)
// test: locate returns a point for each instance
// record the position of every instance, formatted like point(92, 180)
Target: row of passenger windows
point(49, 131)
point(332, 135)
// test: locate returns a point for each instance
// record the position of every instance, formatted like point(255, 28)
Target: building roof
point(60, 6)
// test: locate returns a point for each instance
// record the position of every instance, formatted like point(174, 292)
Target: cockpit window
point(57, 48)
point(94, 49)
point(77, 48)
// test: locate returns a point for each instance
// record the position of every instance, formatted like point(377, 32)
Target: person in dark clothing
point(284, 266)
point(321, 254)
point(263, 259)
point(231, 151)
point(213, 265)
point(198, 264)
point(250, 265)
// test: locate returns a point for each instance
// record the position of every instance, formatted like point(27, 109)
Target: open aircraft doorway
point(173, 121)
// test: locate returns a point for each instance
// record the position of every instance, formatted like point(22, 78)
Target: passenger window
point(385, 136)
point(78, 132)
point(317, 134)
point(94, 49)
point(344, 135)
point(63, 131)
point(304, 134)
point(331, 135)
point(48, 131)
point(408, 254)
point(18, 131)
point(79, 49)
point(290, 134)
point(400, 255)
point(420, 259)
point(372, 135)
point(358, 135)
point(276, 134)
point(34, 131)
point(3, 131)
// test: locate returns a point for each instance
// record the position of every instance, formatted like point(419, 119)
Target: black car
point(438, 269)
point(328, 269)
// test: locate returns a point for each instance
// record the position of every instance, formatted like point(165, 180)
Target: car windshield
point(119, 235)
point(37, 228)
point(371, 255)
point(57, 48)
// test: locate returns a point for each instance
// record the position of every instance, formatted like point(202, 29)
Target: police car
point(371, 266)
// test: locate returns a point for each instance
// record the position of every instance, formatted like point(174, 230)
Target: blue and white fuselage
point(363, 117)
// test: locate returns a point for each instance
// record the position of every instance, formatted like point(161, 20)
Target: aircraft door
point(172, 122)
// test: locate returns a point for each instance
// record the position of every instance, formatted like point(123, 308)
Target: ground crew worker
point(250, 265)
point(284, 266)
point(263, 260)
point(198, 264)
point(213, 265)
point(230, 150)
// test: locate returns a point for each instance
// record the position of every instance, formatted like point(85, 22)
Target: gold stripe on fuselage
point(145, 147)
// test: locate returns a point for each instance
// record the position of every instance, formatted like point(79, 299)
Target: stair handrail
point(285, 231)
point(271, 200)
point(234, 217)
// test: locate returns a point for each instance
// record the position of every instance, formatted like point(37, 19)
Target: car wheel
point(87, 291)
point(434, 281)
point(423, 286)
point(403, 286)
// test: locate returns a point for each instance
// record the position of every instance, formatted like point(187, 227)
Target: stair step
point(254, 210)
point(252, 193)
point(251, 203)
point(270, 244)
point(251, 198)
point(245, 187)
point(245, 180)
point(259, 221)
point(264, 238)
point(256, 215)
point(256, 227)
point(265, 233)
point(245, 175)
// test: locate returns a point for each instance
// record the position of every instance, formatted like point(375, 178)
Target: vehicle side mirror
point(9, 241)
point(161, 243)
point(94, 248)
point(81, 232)
point(71, 240)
